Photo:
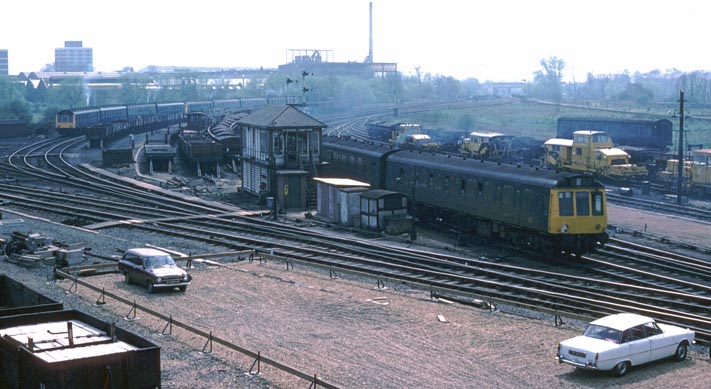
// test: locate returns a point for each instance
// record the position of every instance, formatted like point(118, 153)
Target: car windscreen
point(159, 260)
point(603, 333)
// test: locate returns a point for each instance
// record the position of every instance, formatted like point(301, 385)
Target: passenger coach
point(542, 209)
point(538, 208)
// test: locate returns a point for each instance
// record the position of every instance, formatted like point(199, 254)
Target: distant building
point(4, 67)
point(73, 58)
point(317, 62)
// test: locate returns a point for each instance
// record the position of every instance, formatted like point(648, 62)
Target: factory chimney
point(370, 43)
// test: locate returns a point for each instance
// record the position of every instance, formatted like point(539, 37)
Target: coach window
point(446, 184)
point(490, 191)
point(526, 199)
point(582, 203)
point(462, 186)
point(430, 183)
point(565, 203)
point(597, 204)
point(507, 196)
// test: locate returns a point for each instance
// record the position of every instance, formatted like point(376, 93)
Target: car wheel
point(681, 352)
point(621, 369)
point(149, 286)
point(127, 278)
point(183, 288)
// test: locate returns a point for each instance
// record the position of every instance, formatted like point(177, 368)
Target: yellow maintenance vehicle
point(592, 152)
point(487, 145)
point(696, 172)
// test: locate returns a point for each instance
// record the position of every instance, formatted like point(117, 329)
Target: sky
point(497, 40)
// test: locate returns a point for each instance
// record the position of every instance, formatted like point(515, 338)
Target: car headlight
point(564, 229)
point(159, 279)
point(185, 277)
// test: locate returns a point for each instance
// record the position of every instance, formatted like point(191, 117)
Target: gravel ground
point(346, 330)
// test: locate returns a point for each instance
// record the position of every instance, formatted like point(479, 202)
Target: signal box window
point(565, 203)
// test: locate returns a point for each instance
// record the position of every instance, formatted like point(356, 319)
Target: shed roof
point(280, 116)
point(342, 182)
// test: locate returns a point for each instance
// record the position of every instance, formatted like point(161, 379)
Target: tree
point(16, 109)
point(472, 88)
point(134, 89)
point(446, 88)
point(68, 93)
point(638, 93)
point(8, 90)
point(547, 81)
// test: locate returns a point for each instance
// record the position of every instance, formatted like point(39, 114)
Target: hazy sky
point(501, 40)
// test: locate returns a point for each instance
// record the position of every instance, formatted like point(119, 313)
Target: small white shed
point(338, 199)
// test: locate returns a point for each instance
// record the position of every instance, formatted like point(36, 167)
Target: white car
point(617, 342)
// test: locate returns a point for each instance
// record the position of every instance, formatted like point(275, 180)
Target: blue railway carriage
point(170, 113)
point(362, 161)
point(113, 114)
point(543, 210)
point(223, 107)
point(198, 106)
point(69, 121)
point(649, 134)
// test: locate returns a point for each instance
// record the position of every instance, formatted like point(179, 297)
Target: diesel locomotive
point(540, 209)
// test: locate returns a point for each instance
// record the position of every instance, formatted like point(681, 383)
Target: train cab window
point(597, 204)
point(565, 203)
point(582, 203)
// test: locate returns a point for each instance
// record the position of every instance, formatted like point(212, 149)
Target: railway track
point(445, 274)
point(693, 213)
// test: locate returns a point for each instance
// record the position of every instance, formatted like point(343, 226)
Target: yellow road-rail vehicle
point(487, 145)
point(591, 152)
point(696, 173)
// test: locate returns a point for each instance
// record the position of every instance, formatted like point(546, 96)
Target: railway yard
point(348, 308)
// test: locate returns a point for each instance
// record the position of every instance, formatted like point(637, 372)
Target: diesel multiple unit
point(542, 209)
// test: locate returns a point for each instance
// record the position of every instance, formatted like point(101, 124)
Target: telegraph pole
point(680, 182)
